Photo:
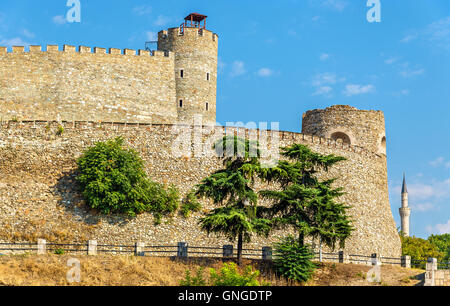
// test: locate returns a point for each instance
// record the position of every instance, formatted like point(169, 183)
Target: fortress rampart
point(85, 85)
point(168, 85)
point(39, 195)
point(86, 95)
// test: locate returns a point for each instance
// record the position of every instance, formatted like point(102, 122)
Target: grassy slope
point(31, 270)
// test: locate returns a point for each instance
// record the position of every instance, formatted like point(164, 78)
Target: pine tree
point(231, 188)
point(305, 202)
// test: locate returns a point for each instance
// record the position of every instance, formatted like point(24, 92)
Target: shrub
point(190, 204)
point(293, 260)
point(60, 130)
point(113, 180)
point(59, 252)
point(228, 276)
point(197, 280)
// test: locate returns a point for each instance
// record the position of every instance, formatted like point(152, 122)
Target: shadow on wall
point(70, 197)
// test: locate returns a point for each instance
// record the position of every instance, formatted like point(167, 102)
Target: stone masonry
point(54, 104)
point(39, 197)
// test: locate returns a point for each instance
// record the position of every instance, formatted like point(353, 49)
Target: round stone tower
point(196, 50)
point(361, 128)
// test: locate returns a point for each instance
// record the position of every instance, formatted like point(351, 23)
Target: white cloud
point(401, 93)
point(443, 228)
point(238, 68)
point(440, 228)
point(423, 207)
point(327, 78)
point(27, 33)
point(142, 10)
point(161, 20)
point(151, 36)
point(409, 73)
point(408, 38)
point(391, 60)
point(60, 19)
point(337, 5)
point(439, 32)
point(439, 162)
point(428, 192)
point(220, 65)
point(323, 91)
point(324, 56)
point(265, 72)
point(322, 82)
point(353, 89)
point(17, 41)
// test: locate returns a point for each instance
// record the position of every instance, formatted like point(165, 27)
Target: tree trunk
point(239, 251)
point(301, 239)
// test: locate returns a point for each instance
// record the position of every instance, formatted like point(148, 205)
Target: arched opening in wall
point(341, 136)
point(383, 145)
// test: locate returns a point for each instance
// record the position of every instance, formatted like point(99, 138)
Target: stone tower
point(405, 211)
point(196, 51)
point(355, 127)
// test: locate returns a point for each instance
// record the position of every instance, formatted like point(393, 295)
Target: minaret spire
point(404, 188)
point(405, 211)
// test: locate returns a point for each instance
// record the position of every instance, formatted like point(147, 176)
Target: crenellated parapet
point(270, 136)
point(83, 50)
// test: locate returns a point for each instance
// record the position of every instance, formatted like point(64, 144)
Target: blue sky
point(278, 59)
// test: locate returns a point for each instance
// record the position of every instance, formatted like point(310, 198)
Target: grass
point(116, 270)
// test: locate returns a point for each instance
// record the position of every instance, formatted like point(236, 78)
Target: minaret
point(405, 211)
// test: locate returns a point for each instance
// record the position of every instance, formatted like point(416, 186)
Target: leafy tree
point(442, 242)
point(305, 202)
point(420, 249)
point(293, 260)
point(113, 180)
point(231, 188)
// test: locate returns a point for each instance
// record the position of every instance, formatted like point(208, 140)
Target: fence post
point(375, 259)
point(227, 251)
point(320, 254)
point(406, 261)
point(267, 253)
point(182, 249)
point(41, 247)
point(139, 249)
point(429, 274)
point(92, 248)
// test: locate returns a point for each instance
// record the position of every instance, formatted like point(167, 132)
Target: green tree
point(113, 180)
point(305, 202)
point(420, 249)
point(442, 242)
point(293, 260)
point(231, 188)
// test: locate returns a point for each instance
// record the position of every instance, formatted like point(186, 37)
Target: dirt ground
point(114, 270)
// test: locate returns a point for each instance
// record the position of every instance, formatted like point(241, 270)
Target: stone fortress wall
point(94, 96)
point(40, 200)
point(90, 84)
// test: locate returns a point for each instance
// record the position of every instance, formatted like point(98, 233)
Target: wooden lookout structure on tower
point(194, 20)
